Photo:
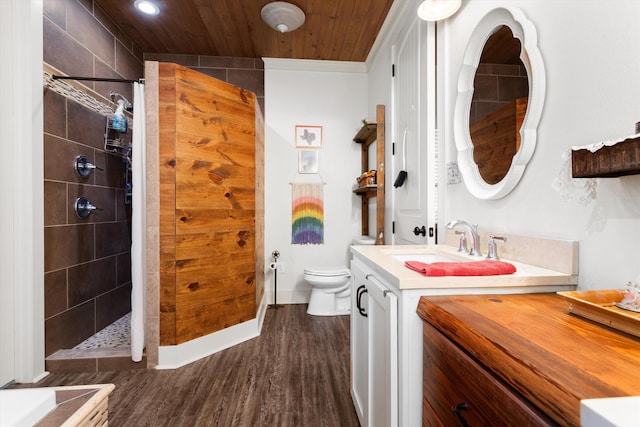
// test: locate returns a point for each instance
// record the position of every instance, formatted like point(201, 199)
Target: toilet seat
point(338, 272)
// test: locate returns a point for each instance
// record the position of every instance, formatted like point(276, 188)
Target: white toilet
point(330, 291)
point(331, 288)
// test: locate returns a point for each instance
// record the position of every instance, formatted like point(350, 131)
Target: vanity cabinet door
point(383, 354)
point(359, 345)
point(457, 391)
point(374, 350)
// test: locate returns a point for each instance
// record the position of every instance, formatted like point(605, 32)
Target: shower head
point(127, 105)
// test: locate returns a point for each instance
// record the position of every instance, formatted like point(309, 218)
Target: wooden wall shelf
point(616, 160)
point(369, 189)
point(369, 133)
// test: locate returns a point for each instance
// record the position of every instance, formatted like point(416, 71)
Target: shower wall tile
point(252, 80)
point(87, 267)
point(67, 245)
point(226, 62)
point(113, 168)
point(64, 53)
point(124, 269)
point(216, 73)
point(495, 85)
point(88, 4)
point(55, 203)
point(501, 69)
point(86, 126)
point(114, 238)
point(186, 60)
point(69, 328)
point(55, 293)
point(112, 306)
point(101, 197)
point(104, 88)
point(90, 280)
point(59, 155)
point(512, 88)
point(71, 365)
point(113, 28)
point(55, 117)
point(56, 11)
point(123, 210)
point(485, 87)
point(81, 25)
point(126, 64)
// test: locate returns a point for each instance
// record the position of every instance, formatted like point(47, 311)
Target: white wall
point(592, 94)
point(335, 97)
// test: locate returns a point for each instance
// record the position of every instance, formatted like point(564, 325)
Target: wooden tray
point(599, 306)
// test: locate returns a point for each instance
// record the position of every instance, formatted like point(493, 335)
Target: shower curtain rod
point(96, 79)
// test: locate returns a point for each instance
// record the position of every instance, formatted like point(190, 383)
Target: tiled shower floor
point(107, 350)
point(117, 334)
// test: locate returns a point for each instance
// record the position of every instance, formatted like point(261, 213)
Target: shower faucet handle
point(275, 255)
point(83, 207)
point(84, 166)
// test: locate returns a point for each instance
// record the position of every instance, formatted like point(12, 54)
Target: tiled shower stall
point(87, 261)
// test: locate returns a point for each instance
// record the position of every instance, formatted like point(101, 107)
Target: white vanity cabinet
point(386, 345)
point(374, 340)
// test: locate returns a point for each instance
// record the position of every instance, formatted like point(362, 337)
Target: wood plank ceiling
point(341, 30)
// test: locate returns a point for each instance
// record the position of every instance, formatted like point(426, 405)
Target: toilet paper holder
point(274, 266)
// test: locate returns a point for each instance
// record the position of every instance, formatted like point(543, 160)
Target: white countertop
point(381, 259)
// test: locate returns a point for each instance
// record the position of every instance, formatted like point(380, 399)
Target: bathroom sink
point(426, 258)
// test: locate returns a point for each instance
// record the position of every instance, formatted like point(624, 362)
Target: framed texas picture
point(308, 136)
point(307, 161)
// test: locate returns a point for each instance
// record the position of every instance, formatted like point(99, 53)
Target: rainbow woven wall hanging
point(307, 214)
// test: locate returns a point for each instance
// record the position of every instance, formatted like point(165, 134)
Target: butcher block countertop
point(532, 343)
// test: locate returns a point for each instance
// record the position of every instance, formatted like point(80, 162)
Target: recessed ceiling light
point(147, 7)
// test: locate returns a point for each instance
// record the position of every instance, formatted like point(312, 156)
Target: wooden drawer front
point(450, 377)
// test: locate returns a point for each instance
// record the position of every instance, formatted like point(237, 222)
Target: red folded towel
point(474, 268)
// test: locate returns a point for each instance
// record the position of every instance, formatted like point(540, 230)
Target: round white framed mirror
point(517, 118)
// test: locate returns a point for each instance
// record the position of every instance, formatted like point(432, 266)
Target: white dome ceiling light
point(282, 16)
point(436, 10)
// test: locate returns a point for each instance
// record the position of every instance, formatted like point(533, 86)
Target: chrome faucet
point(492, 247)
point(472, 230)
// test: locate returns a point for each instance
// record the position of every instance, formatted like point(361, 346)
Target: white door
point(414, 136)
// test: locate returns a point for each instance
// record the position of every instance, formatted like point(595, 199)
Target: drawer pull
point(458, 411)
point(362, 289)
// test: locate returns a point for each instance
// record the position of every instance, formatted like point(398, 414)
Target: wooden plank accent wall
point(208, 202)
point(496, 139)
point(259, 211)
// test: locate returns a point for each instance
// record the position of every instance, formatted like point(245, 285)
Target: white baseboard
point(175, 356)
point(289, 297)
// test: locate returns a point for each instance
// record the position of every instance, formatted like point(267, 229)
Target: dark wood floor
point(295, 374)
